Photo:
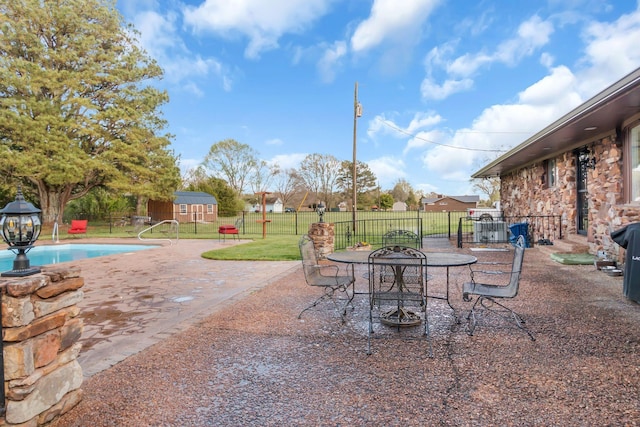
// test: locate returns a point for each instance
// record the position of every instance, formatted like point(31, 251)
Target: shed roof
point(194, 198)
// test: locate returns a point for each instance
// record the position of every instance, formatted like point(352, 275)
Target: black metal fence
point(369, 226)
point(537, 229)
point(370, 231)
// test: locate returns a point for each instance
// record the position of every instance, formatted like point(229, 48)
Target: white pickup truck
point(493, 214)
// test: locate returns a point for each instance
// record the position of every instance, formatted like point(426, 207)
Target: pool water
point(54, 254)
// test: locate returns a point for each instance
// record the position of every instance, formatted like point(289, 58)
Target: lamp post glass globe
point(320, 209)
point(20, 228)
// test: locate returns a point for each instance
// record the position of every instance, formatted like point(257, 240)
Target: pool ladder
point(172, 221)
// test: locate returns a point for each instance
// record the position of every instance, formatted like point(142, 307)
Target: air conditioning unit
point(490, 231)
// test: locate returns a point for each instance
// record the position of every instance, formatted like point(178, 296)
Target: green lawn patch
point(273, 248)
point(573, 259)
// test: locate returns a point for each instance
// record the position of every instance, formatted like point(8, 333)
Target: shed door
point(198, 213)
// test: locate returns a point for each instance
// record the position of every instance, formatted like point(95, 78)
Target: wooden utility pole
point(357, 112)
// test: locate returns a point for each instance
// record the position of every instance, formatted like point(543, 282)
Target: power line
point(394, 127)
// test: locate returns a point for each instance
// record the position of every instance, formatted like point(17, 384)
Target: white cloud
point(159, 37)
point(262, 22)
point(288, 161)
point(425, 139)
point(188, 164)
point(429, 89)
point(390, 19)
point(531, 35)
point(388, 170)
point(422, 120)
point(380, 125)
point(274, 141)
point(330, 62)
point(545, 91)
point(611, 52)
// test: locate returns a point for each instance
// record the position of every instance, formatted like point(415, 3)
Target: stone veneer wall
point(523, 193)
point(323, 236)
point(41, 331)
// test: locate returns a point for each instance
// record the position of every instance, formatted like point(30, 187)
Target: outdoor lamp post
point(320, 209)
point(20, 228)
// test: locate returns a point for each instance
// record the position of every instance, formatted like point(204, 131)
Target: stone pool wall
point(41, 331)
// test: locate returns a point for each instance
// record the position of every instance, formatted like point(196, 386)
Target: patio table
point(434, 259)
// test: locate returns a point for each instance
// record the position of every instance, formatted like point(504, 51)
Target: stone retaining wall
point(41, 331)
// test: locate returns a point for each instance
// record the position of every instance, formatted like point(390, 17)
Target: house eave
point(605, 112)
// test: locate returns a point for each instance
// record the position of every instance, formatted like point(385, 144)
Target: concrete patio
point(248, 359)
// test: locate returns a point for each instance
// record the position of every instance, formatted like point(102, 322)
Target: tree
point(386, 201)
point(401, 190)
point(412, 201)
point(365, 180)
point(229, 204)
point(320, 172)
point(286, 185)
point(73, 101)
point(262, 176)
point(232, 161)
point(490, 187)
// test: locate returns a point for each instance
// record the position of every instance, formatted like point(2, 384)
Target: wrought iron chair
point(397, 284)
point(488, 294)
point(327, 277)
point(401, 238)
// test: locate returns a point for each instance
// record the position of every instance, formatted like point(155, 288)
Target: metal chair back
point(401, 238)
point(327, 277)
point(489, 294)
point(397, 289)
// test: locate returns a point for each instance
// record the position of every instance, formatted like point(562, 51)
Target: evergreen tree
point(75, 112)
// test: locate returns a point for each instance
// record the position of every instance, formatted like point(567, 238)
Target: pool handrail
point(159, 223)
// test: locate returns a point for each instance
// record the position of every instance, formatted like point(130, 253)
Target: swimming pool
point(54, 254)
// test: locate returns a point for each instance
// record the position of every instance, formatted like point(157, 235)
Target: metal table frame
point(434, 259)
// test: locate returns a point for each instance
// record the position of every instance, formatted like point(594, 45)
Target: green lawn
point(273, 248)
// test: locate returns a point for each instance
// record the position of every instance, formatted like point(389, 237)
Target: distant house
point(399, 207)
point(273, 205)
point(187, 206)
point(442, 203)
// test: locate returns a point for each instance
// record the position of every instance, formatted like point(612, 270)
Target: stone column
point(323, 236)
point(41, 330)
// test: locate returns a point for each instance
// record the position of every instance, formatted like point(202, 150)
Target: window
point(550, 173)
point(634, 163)
point(209, 208)
point(183, 209)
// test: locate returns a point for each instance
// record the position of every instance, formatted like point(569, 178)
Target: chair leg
point(482, 300)
point(370, 330)
point(329, 294)
point(427, 332)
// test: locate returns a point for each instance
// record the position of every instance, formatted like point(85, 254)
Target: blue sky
point(445, 86)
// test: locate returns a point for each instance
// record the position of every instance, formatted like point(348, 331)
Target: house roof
point(194, 198)
point(597, 118)
point(462, 199)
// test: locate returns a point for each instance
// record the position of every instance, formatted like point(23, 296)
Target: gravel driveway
point(254, 363)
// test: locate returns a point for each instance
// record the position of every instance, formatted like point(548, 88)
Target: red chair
point(78, 226)
point(228, 229)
